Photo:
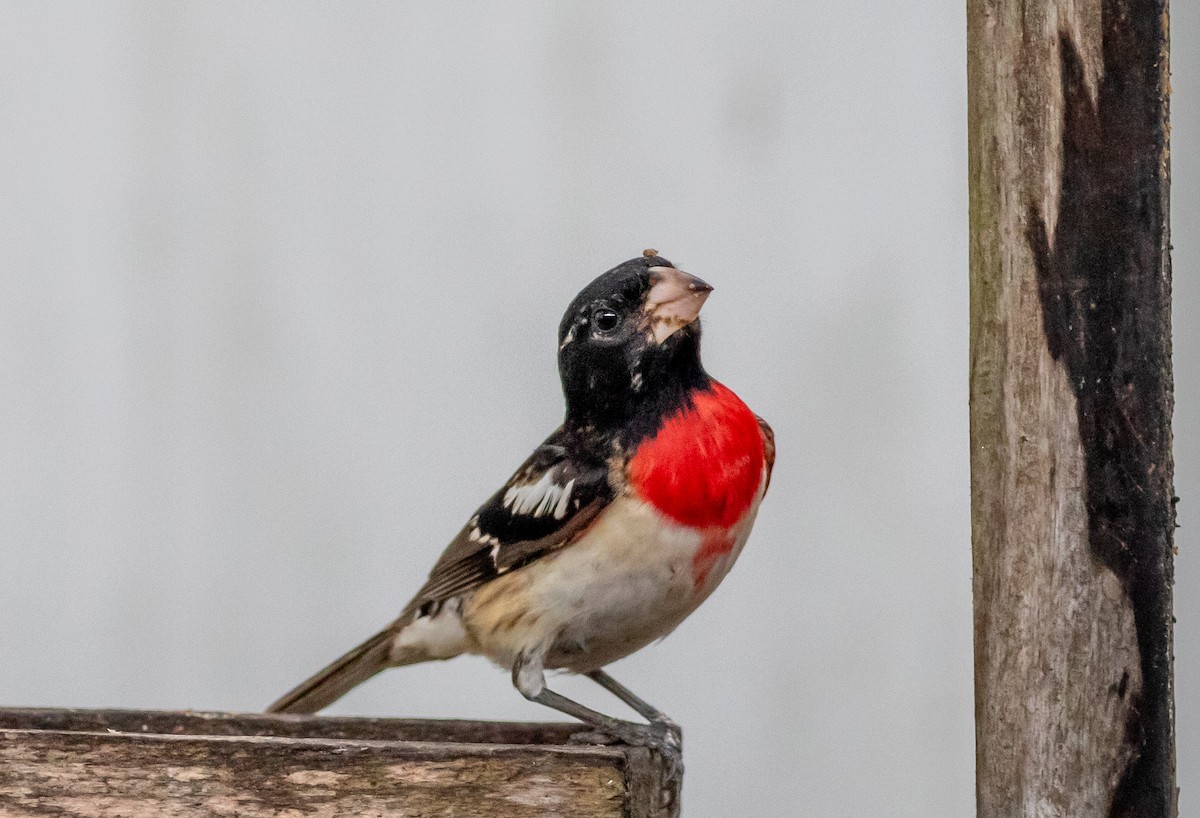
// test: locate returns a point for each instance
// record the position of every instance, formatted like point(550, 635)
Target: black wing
point(550, 500)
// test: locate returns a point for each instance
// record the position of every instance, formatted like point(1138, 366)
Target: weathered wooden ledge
point(130, 763)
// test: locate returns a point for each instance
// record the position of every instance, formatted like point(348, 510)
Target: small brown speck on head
point(649, 252)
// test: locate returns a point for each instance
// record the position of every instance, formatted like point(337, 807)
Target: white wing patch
point(540, 498)
point(477, 535)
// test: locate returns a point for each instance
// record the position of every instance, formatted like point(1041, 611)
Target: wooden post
point(128, 764)
point(1071, 470)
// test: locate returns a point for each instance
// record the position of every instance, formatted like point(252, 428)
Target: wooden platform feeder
point(129, 763)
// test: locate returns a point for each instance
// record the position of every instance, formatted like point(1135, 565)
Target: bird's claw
point(665, 736)
point(662, 736)
point(673, 731)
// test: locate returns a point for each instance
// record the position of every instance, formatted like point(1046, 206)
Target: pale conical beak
point(674, 301)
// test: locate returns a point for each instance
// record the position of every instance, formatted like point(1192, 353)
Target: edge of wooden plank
point(202, 723)
point(424, 750)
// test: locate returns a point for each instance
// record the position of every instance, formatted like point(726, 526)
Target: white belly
point(631, 579)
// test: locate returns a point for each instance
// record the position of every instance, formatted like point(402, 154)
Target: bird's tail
point(336, 680)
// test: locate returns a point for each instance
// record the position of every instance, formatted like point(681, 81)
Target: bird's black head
point(630, 343)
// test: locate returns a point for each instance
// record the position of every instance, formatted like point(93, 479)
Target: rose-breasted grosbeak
point(613, 531)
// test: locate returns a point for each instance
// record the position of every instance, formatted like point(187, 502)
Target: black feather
point(500, 537)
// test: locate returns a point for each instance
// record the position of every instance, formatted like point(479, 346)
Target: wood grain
point(171, 722)
point(1072, 500)
point(130, 763)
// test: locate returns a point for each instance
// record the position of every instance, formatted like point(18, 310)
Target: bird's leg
point(529, 678)
point(643, 708)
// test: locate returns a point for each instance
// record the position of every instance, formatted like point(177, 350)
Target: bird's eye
point(605, 320)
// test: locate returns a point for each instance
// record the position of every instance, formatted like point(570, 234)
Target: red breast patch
point(704, 466)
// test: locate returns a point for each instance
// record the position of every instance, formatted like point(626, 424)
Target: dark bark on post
point(1071, 400)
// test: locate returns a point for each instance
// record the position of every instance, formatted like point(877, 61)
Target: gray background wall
point(280, 287)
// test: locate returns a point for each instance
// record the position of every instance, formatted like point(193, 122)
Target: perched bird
point(615, 529)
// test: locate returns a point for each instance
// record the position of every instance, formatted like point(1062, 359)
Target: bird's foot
point(667, 739)
point(662, 736)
